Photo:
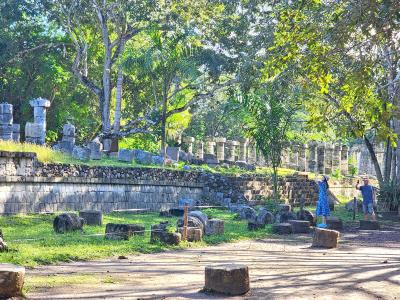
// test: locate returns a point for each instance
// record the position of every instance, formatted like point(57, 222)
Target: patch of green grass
point(32, 241)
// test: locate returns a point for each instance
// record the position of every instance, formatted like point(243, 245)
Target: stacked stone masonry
point(29, 186)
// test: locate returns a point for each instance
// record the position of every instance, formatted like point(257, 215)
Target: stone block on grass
point(325, 238)
point(369, 225)
point(215, 227)
point(192, 222)
point(160, 233)
point(92, 217)
point(67, 222)
point(193, 234)
point(123, 231)
point(334, 223)
point(230, 279)
point(282, 228)
point(253, 226)
point(11, 280)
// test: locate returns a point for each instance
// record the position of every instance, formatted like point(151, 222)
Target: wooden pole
point(185, 222)
point(354, 208)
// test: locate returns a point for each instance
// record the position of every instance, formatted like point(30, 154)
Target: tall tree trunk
point(118, 101)
point(164, 127)
point(388, 161)
point(375, 162)
point(105, 114)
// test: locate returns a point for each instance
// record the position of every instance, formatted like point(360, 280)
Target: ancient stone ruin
point(9, 131)
point(35, 132)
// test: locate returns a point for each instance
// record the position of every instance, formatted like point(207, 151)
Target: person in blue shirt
point(368, 195)
point(323, 201)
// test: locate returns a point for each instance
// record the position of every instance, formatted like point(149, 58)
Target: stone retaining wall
point(29, 186)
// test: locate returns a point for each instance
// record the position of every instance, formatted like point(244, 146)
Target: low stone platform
point(299, 226)
point(92, 217)
point(11, 280)
point(334, 223)
point(282, 228)
point(325, 238)
point(369, 225)
point(231, 279)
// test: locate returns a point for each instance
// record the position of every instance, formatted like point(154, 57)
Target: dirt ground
point(365, 266)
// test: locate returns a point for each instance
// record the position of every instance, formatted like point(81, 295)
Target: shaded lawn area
point(32, 241)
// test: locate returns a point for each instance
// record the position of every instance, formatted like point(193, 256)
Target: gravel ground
point(365, 266)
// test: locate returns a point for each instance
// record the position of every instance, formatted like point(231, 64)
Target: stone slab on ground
point(282, 228)
point(325, 238)
point(123, 231)
point(230, 279)
point(369, 225)
point(92, 217)
point(334, 223)
point(11, 280)
point(300, 226)
point(215, 227)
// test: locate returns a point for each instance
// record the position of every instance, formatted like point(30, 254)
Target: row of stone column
point(215, 150)
point(322, 158)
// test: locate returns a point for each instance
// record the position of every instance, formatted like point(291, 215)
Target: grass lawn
point(32, 241)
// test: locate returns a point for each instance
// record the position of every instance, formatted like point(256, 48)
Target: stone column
point(328, 158)
point(243, 149)
point(16, 135)
point(220, 148)
point(6, 121)
point(37, 131)
point(200, 151)
point(336, 157)
point(231, 150)
point(210, 146)
point(294, 156)
point(67, 143)
point(344, 160)
point(312, 157)
point(189, 141)
point(302, 159)
point(321, 158)
point(252, 154)
point(285, 158)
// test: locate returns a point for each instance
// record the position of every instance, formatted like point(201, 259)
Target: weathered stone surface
point(6, 132)
point(81, 153)
point(16, 135)
point(254, 226)
point(248, 213)
point(95, 147)
point(67, 222)
point(173, 153)
point(92, 217)
point(334, 223)
point(192, 222)
point(306, 215)
point(215, 227)
point(284, 216)
point(123, 231)
point(193, 234)
point(11, 280)
point(157, 160)
point(325, 238)
point(232, 279)
point(199, 215)
point(369, 225)
point(160, 233)
point(265, 217)
point(300, 226)
point(282, 228)
point(126, 155)
point(143, 157)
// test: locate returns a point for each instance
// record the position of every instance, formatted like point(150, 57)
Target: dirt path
point(284, 268)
